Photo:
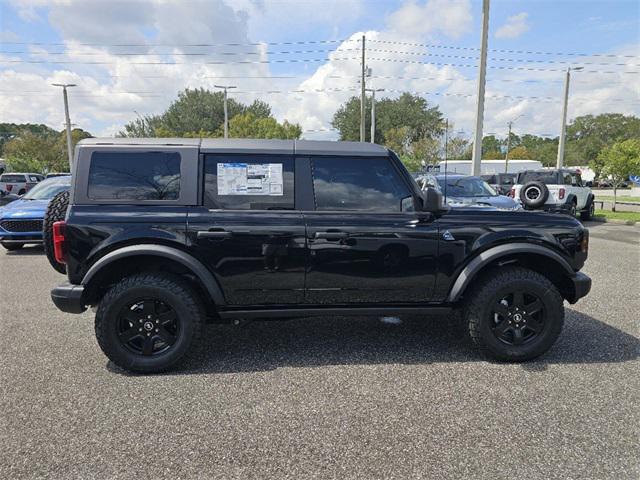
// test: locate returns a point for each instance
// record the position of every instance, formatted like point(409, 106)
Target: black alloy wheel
point(518, 318)
point(148, 327)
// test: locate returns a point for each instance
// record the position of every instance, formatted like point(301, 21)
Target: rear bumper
point(581, 286)
point(68, 298)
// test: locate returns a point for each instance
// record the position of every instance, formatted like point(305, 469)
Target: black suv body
point(162, 235)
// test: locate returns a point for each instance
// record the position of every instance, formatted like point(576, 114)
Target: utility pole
point(563, 127)
point(373, 111)
point(67, 120)
point(506, 157)
point(477, 143)
point(226, 112)
point(362, 93)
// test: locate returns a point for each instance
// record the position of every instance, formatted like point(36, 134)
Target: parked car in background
point(7, 197)
point(557, 190)
point(501, 182)
point(57, 174)
point(19, 183)
point(465, 190)
point(21, 220)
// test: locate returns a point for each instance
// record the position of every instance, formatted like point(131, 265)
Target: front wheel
point(514, 315)
point(589, 213)
point(147, 323)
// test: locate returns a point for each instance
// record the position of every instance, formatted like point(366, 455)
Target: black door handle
point(213, 234)
point(331, 235)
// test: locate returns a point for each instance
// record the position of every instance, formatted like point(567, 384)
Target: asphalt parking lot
point(325, 398)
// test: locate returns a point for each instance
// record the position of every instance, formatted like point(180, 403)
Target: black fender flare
point(570, 198)
point(190, 262)
point(483, 259)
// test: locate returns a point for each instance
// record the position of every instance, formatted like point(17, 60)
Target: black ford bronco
point(163, 235)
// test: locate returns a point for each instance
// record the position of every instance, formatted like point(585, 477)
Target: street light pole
point(563, 127)
point(67, 120)
point(373, 111)
point(477, 143)
point(226, 113)
point(362, 93)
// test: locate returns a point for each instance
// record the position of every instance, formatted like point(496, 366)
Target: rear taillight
point(59, 250)
point(561, 193)
point(9, 187)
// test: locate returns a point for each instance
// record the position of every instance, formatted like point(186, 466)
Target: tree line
point(409, 124)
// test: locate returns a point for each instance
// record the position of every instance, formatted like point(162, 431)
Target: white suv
point(554, 191)
point(19, 183)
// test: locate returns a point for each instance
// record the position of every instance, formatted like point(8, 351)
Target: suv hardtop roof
point(249, 145)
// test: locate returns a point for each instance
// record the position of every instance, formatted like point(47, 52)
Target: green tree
point(411, 111)
point(247, 125)
point(13, 130)
point(589, 134)
point(619, 162)
point(520, 153)
point(30, 152)
point(491, 148)
point(197, 112)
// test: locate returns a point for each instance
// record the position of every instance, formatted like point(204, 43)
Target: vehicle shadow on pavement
point(26, 251)
point(309, 343)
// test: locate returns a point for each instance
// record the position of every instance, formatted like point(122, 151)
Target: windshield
point(467, 187)
point(46, 189)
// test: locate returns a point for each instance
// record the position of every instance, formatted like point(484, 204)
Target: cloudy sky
point(303, 57)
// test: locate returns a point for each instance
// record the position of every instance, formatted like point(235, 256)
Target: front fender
point(484, 258)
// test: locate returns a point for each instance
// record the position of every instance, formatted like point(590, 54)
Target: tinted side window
point(134, 176)
point(249, 182)
point(365, 184)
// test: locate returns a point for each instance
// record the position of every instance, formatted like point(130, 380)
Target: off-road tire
point(12, 247)
point(488, 289)
point(56, 211)
point(171, 290)
point(573, 209)
point(537, 202)
point(589, 212)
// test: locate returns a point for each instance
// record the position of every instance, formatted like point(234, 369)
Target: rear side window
point(134, 176)
point(362, 184)
point(548, 178)
point(12, 178)
point(249, 182)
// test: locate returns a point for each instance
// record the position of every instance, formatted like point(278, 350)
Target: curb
point(613, 220)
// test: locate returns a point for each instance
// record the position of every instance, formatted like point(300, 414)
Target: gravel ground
point(325, 398)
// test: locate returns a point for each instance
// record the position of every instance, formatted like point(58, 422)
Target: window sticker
point(250, 179)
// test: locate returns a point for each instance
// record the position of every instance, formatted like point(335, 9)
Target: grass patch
point(621, 198)
point(628, 216)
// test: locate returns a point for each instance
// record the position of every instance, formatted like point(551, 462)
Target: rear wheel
point(148, 322)
point(572, 209)
point(12, 246)
point(56, 211)
point(514, 315)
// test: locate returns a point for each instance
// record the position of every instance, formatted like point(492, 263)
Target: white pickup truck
point(554, 191)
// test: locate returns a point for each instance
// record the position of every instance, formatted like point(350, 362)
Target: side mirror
point(432, 201)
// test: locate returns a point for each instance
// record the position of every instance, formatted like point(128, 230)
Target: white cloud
point(107, 94)
point(446, 17)
point(516, 25)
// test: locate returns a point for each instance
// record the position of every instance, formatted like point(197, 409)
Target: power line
point(234, 44)
point(527, 52)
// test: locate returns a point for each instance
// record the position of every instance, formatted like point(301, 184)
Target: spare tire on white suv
point(534, 194)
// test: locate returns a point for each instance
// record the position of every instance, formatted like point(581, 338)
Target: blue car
point(465, 191)
point(21, 220)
